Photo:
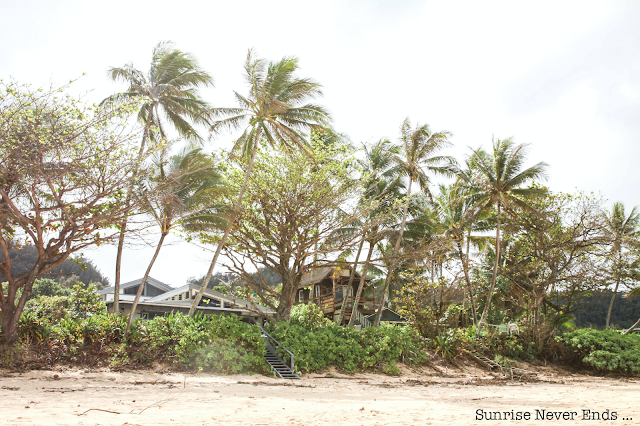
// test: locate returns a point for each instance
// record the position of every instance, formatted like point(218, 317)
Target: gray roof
point(150, 281)
point(213, 293)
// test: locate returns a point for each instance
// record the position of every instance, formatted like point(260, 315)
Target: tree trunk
point(142, 283)
point(351, 276)
point(123, 224)
point(363, 277)
point(205, 282)
point(615, 291)
point(9, 326)
point(465, 268)
point(630, 329)
point(394, 261)
point(116, 290)
point(11, 313)
point(613, 298)
point(487, 305)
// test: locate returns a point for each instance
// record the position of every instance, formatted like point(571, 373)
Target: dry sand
point(426, 397)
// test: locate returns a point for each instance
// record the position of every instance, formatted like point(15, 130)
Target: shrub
point(605, 350)
point(308, 316)
point(216, 343)
point(315, 349)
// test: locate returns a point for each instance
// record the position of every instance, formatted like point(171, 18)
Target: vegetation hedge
point(315, 349)
point(606, 350)
point(76, 328)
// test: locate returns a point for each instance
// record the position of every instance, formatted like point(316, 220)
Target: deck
point(332, 305)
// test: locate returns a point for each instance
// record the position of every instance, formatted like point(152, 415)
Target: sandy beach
point(94, 397)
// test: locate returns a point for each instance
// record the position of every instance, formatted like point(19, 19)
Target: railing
point(330, 302)
point(364, 322)
point(278, 345)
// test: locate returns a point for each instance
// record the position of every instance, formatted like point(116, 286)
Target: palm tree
point(495, 180)
point(456, 216)
point(382, 184)
point(169, 97)
point(623, 231)
point(414, 157)
point(276, 112)
point(189, 184)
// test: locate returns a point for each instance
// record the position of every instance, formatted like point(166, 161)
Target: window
point(301, 296)
point(317, 291)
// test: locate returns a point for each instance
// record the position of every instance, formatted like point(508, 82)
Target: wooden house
point(328, 287)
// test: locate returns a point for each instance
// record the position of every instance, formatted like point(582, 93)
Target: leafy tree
point(48, 287)
point(63, 167)
point(623, 232)
point(292, 212)
point(496, 181)
point(76, 268)
point(414, 157)
point(168, 96)
point(557, 249)
point(275, 111)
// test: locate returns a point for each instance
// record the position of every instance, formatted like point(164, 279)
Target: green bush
point(308, 316)
point(80, 302)
point(315, 349)
point(48, 287)
point(605, 350)
point(216, 343)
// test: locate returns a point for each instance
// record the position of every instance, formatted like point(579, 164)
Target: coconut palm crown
point(168, 92)
point(495, 180)
point(276, 108)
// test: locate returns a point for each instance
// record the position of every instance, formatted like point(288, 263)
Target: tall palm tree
point(414, 157)
point(189, 184)
point(456, 215)
point(275, 111)
point(382, 184)
point(495, 181)
point(623, 231)
point(169, 97)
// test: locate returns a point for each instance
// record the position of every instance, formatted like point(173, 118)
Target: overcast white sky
point(562, 76)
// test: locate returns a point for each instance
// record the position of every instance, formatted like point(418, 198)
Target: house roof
point(318, 274)
point(389, 315)
point(163, 298)
point(150, 281)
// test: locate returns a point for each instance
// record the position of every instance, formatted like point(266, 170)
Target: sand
point(425, 397)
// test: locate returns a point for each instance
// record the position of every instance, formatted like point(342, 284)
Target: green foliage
point(606, 350)
point(216, 343)
point(48, 287)
point(79, 268)
point(60, 316)
point(308, 316)
point(315, 349)
point(450, 342)
point(85, 302)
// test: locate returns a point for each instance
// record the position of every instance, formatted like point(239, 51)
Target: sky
point(563, 77)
